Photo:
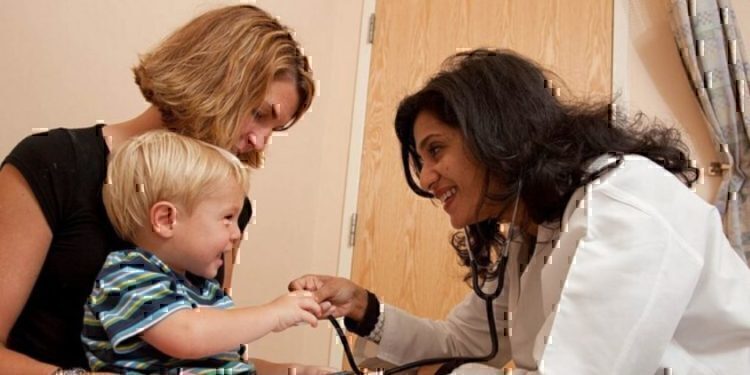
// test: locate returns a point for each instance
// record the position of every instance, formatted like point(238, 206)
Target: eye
point(259, 115)
point(434, 150)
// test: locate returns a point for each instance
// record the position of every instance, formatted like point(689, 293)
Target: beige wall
point(742, 10)
point(67, 64)
point(300, 194)
point(657, 84)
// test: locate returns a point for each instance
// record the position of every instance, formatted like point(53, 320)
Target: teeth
point(447, 194)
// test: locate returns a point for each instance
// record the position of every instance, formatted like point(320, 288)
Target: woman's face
point(280, 104)
point(449, 172)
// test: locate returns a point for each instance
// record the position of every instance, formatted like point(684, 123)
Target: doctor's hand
point(346, 298)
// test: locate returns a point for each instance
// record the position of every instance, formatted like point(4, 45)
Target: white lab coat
point(640, 279)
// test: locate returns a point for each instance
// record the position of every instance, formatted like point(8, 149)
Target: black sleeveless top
point(65, 169)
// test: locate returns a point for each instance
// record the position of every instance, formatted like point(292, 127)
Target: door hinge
point(352, 229)
point(371, 31)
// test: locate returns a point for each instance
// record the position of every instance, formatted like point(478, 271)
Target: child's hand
point(294, 308)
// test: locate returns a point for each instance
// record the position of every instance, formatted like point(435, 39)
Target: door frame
point(351, 192)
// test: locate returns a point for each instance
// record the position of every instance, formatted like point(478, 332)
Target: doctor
point(614, 265)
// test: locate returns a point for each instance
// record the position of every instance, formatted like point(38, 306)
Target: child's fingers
point(309, 304)
point(311, 319)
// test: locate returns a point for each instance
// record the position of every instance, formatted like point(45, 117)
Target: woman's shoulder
point(61, 166)
point(642, 178)
point(655, 200)
point(57, 147)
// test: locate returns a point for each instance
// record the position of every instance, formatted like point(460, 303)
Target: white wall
point(67, 64)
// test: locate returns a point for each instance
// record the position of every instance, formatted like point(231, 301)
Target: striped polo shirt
point(133, 291)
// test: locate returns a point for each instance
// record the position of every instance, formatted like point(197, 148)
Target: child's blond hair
point(161, 165)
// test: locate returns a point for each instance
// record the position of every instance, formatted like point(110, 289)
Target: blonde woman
point(230, 77)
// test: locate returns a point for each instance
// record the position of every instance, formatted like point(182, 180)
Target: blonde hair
point(215, 71)
point(161, 165)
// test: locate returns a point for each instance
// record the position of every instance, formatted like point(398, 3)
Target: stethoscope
point(451, 363)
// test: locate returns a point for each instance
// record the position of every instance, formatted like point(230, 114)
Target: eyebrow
point(232, 208)
point(426, 140)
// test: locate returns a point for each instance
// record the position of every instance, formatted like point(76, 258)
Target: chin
point(240, 148)
point(458, 224)
point(207, 274)
point(461, 223)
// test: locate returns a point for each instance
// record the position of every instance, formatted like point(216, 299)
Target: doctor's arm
point(407, 338)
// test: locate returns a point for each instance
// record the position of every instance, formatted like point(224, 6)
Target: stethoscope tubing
point(455, 361)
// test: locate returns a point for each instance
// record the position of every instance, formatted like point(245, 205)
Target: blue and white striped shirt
point(133, 291)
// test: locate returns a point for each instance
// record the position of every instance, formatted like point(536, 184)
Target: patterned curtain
point(713, 53)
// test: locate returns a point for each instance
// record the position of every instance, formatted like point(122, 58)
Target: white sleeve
point(464, 332)
point(628, 285)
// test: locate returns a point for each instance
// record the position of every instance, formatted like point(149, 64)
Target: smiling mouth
point(447, 196)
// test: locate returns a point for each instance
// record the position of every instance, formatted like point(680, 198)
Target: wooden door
point(402, 249)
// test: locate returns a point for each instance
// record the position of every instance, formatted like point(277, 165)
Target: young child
point(156, 308)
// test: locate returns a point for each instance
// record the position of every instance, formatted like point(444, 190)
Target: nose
point(235, 234)
point(259, 138)
point(428, 176)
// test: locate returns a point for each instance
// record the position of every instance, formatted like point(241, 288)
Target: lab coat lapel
point(537, 294)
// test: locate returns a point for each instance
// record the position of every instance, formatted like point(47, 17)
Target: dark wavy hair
point(516, 127)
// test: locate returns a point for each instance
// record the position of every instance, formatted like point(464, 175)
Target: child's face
point(202, 238)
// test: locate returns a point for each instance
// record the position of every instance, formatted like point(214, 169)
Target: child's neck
point(158, 247)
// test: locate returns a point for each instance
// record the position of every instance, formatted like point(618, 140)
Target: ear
point(163, 216)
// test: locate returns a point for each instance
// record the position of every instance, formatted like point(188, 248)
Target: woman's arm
point(202, 332)
point(464, 332)
point(25, 238)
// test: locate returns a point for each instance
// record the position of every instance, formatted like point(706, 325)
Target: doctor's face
point(450, 172)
